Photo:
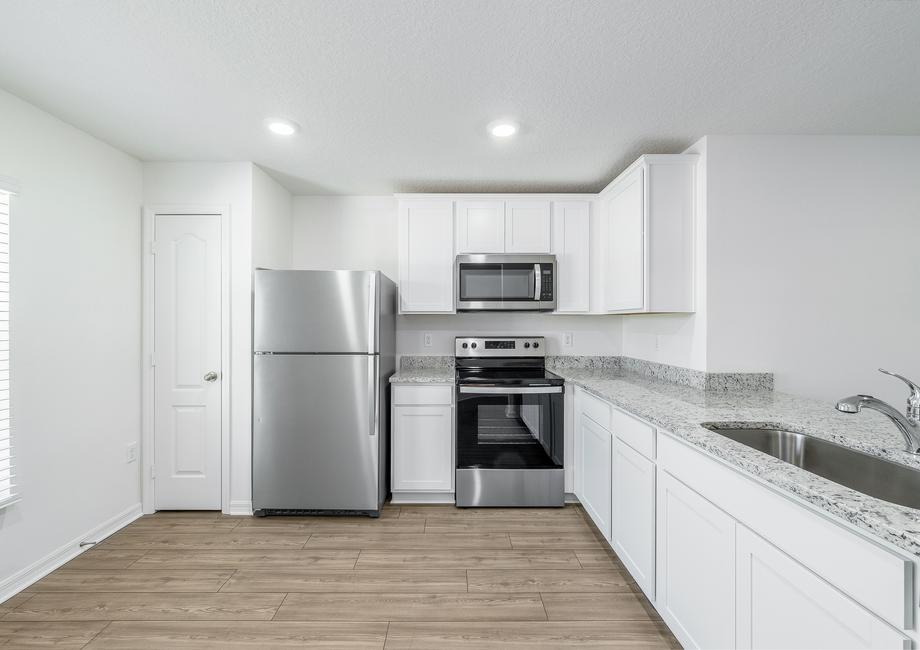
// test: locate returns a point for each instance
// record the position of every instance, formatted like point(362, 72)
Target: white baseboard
point(36, 571)
point(239, 508)
point(409, 498)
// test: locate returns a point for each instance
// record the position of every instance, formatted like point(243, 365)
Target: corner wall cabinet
point(727, 561)
point(648, 212)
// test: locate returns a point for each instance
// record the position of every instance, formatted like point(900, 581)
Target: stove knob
point(535, 344)
point(527, 345)
point(473, 346)
point(466, 345)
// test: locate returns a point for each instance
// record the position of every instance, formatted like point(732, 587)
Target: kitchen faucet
point(908, 425)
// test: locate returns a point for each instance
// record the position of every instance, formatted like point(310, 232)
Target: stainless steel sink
point(870, 475)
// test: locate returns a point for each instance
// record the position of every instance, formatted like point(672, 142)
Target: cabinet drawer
point(595, 408)
point(637, 434)
point(877, 578)
point(422, 395)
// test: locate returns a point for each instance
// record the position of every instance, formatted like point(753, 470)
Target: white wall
point(209, 185)
point(353, 233)
point(76, 333)
point(813, 261)
point(591, 335)
point(271, 222)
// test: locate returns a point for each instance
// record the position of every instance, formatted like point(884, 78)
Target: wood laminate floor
point(419, 577)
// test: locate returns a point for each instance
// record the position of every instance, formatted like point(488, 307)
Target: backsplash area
point(701, 380)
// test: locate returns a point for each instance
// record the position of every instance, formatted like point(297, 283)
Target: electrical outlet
point(426, 338)
point(131, 454)
point(657, 342)
point(567, 339)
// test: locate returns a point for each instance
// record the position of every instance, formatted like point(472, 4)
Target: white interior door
point(187, 362)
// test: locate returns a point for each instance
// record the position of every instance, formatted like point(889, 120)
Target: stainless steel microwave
point(506, 282)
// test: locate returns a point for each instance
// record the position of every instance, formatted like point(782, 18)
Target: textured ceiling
point(395, 95)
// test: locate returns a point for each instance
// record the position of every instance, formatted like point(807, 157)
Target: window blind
point(7, 486)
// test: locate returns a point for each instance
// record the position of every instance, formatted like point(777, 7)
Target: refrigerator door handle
point(373, 393)
point(372, 314)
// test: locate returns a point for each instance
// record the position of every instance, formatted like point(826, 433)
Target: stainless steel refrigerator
point(324, 346)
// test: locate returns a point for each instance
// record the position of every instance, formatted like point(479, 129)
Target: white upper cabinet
point(649, 217)
point(426, 256)
point(625, 281)
point(528, 227)
point(480, 227)
point(512, 226)
point(571, 246)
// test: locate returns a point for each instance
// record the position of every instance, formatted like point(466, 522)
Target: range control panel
point(500, 346)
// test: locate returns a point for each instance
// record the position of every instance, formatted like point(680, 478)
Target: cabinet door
point(528, 227)
point(571, 246)
point(634, 514)
point(423, 448)
point(426, 256)
point(480, 227)
point(625, 276)
point(781, 604)
point(695, 590)
point(595, 466)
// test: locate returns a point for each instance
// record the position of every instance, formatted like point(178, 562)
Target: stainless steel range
point(509, 424)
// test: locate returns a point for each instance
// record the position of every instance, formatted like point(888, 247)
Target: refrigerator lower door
point(315, 438)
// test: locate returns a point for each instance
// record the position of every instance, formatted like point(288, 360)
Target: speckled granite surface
point(664, 372)
point(681, 409)
point(424, 370)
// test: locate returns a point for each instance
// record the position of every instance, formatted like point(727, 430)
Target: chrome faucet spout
point(908, 427)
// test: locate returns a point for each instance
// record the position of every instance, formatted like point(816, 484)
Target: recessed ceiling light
point(503, 129)
point(280, 126)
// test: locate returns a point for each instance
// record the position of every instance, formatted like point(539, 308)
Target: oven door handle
point(510, 390)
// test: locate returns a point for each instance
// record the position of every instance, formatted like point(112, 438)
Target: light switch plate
point(567, 339)
point(131, 453)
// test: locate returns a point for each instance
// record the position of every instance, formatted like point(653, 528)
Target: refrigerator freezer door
point(315, 311)
point(315, 439)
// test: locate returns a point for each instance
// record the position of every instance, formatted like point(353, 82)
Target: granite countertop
point(680, 410)
point(423, 376)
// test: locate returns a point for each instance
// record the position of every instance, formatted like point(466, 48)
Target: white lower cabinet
point(695, 591)
point(633, 519)
point(594, 448)
point(781, 604)
point(786, 577)
point(422, 444)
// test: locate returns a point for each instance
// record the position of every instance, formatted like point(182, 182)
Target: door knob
point(211, 376)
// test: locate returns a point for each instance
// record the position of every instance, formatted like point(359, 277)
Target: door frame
point(148, 387)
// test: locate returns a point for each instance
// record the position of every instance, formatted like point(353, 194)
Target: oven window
point(509, 431)
point(480, 282)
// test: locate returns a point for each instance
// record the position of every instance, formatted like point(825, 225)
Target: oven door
point(509, 427)
point(505, 282)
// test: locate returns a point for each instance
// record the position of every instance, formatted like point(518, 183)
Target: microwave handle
point(537, 282)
